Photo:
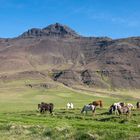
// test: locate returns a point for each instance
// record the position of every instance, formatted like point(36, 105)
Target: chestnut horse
point(97, 103)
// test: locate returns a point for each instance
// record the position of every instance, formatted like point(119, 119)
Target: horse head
point(122, 104)
point(39, 105)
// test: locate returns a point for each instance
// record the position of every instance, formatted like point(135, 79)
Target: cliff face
point(71, 58)
point(54, 30)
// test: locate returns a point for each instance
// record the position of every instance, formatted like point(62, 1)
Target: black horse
point(45, 107)
point(138, 105)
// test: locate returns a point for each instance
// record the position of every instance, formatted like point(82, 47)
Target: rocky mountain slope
point(60, 53)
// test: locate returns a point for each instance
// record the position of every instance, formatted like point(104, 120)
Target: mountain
point(54, 30)
point(61, 54)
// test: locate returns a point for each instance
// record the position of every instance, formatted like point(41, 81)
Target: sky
point(112, 18)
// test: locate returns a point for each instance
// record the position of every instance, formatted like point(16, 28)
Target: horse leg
point(116, 112)
point(41, 110)
point(83, 109)
point(129, 113)
point(50, 110)
point(94, 112)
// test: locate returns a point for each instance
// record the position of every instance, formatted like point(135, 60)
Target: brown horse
point(45, 107)
point(97, 103)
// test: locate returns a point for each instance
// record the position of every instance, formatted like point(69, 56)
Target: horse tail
point(138, 104)
point(51, 106)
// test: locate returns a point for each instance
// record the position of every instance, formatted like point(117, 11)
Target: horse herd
point(118, 108)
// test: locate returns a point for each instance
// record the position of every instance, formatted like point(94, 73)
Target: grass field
point(20, 119)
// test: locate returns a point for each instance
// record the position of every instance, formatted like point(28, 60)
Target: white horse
point(114, 107)
point(130, 106)
point(87, 108)
point(70, 106)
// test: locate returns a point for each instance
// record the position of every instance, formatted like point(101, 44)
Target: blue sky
point(112, 18)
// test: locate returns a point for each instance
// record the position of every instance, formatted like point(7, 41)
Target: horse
point(97, 103)
point(138, 105)
point(89, 108)
point(113, 107)
point(119, 109)
point(130, 106)
point(40, 105)
point(124, 110)
point(69, 105)
point(46, 107)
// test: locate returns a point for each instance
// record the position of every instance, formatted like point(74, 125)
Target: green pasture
point(15, 96)
point(20, 119)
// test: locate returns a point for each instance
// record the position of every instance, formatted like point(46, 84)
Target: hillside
point(57, 52)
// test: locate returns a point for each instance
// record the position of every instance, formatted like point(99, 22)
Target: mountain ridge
point(53, 30)
point(73, 59)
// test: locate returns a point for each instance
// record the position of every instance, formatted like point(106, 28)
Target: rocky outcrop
point(54, 30)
